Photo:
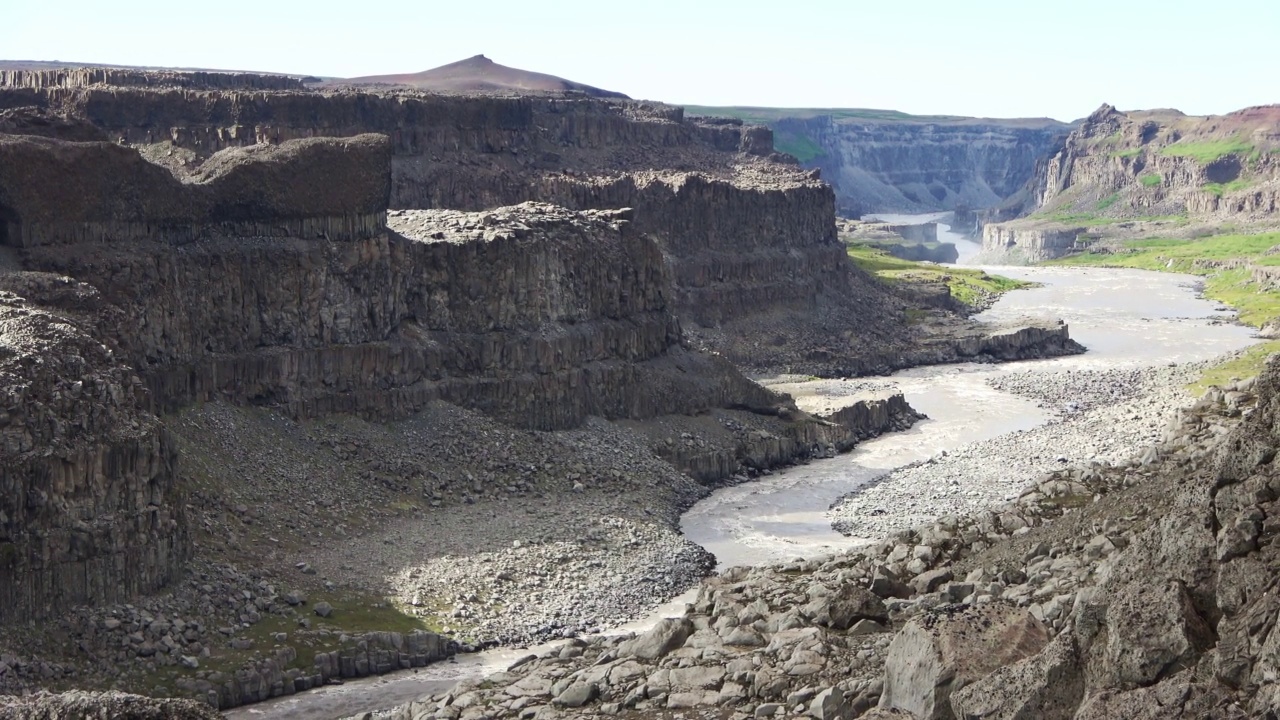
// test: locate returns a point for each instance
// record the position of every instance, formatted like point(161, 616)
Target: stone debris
point(1036, 608)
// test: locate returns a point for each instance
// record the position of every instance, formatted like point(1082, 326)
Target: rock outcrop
point(1024, 242)
point(119, 706)
point(1156, 171)
point(750, 241)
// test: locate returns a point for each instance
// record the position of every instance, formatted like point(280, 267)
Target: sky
point(987, 58)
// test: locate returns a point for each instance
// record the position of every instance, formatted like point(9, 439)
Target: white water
point(1123, 316)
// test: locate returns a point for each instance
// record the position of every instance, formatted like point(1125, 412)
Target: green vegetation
point(1108, 201)
point(1234, 286)
point(967, 285)
point(765, 116)
point(1127, 152)
point(1089, 219)
point(1151, 179)
point(800, 146)
point(1220, 188)
point(1244, 365)
point(1206, 151)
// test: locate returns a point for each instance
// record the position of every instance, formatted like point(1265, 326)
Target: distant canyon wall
point(921, 166)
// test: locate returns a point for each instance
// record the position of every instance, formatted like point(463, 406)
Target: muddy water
point(1122, 316)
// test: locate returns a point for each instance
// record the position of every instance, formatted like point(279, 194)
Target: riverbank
point(1007, 600)
point(1095, 416)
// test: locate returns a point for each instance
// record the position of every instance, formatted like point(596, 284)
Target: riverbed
point(1126, 318)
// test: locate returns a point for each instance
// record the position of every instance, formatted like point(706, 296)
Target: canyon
point(301, 385)
point(192, 266)
point(886, 161)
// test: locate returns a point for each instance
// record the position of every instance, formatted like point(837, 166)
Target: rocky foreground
point(1139, 589)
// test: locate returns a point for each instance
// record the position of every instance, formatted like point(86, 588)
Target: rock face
point(113, 705)
point(90, 510)
point(933, 655)
point(1028, 242)
point(923, 164)
point(750, 242)
point(1120, 168)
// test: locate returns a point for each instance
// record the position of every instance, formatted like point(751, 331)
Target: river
point(1124, 317)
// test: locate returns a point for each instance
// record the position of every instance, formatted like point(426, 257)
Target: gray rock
point(662, 638)
point(577, 695)
point(323, 609)
point(1046, 686)
point(928, 581)
point(942, 650)
point(829, 705)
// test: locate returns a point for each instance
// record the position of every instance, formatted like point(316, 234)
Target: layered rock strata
point(749, 241)
point(1029, 242)
point(1143, 173)
point(906, 164)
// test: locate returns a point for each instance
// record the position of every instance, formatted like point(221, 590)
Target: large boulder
point(846, 606)
point(662, 638)
point(1046, 686)
point(1150, 630)
point(947, 649)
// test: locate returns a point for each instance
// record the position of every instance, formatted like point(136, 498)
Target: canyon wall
point(1157, 171)
point(745, 237)
point(140, 292)
point(90, 508)
point(922, 164)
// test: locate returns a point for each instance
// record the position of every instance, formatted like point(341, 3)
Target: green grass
point(1220, 188)
point(967, 285)
point(1245, 365)
point(1206, 151)
point(1089, 219)
point(800, 146)
point(1233, 287)
point(1151, 179)
point(1127, 153)
point(1108, 201)
point(1256, 305)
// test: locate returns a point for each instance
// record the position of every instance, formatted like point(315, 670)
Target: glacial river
point(1123, 317)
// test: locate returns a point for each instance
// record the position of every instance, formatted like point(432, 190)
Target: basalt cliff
point(249, 334)
point(885, 161)
point(1143, 174)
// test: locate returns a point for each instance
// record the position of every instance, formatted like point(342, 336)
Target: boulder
point(1149, 629)
point(952, 647)
point(1046, 686)
point(662, 638)
point(829, 705)
point(577, 694)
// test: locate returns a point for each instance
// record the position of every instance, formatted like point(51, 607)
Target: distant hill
point(480, 74)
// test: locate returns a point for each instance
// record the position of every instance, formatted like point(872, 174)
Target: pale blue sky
point(997, 58)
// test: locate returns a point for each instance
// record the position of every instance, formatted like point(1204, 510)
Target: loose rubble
point(989, 614)
point(1097, 417)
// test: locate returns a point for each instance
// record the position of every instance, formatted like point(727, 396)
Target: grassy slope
point(968, 286)
point(1257, 305)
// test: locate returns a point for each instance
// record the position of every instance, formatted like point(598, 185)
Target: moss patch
point(967, 285)
point(1246, 364)
point(1206, 151)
